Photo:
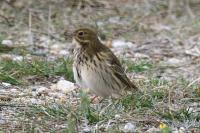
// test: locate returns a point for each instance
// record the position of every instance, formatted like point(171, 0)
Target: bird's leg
point(93, 99)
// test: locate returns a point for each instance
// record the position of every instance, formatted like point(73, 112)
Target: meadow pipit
point(96, 67)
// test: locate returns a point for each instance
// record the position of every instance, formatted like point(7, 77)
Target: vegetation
point(161, 57)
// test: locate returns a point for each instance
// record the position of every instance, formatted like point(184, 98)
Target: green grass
point(15, 72)
point(181, 115)
point(137, 67)
point(139, 104)
point(68, 114)
point(143, 103)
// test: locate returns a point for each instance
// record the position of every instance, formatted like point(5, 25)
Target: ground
point(158, 43)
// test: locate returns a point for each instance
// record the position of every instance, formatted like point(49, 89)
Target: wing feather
point(117, 69)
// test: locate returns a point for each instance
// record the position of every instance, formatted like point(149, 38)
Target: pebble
point(63, 52)
point(86, 130)
point(6, 84)
point(194, 51)
point(17, 58)
point(14, 92)
point(38, 90)
point(181, 130)
point(121, 43)
point(6, 57)
point(140, 55)
point(129, 128)
point(36, 101)
point(7, 43)
point(174, 61)
point(63, 86)
point(152, 130)
point(117, 116)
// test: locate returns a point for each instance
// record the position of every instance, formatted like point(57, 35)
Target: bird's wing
point(116, 67)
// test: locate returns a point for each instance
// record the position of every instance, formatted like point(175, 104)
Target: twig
point(48, 29)
point(194, 81)
point(30, 36)
point(11, 105)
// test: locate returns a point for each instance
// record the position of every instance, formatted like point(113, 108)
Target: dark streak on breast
point(78, 73)
point(98, 57)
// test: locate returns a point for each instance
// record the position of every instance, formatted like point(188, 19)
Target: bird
point(96, 68)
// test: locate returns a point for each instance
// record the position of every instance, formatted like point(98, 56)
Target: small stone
point(61, 126)
point(115, 19)
point(175, 131)
point(14, 91)
point(63, 52)
point(36, 101)
point(7, 43)
point(139, 55)
point(64, 86)
point(181, 130)
point(17, 58)
point(117, 116)
point(194, 51)
point(6, 84)
point(174, 61)
point(55, 47)
point(86, 130)
point(121, 43)
point(152, 130)
point(129, 128)
point(38, 90)
point(190, 110)
point(6, 57)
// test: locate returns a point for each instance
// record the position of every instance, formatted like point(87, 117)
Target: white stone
point(37, 90)
point(42, 89)
point(195, 51)
point(14, 91)
point(63, 52)
point(129, 128)
point(190, 110)
point(153, 130)
point(117, 116)
point(86, 129)
point(56, 47)
point(175, 131)
point(64, 86)
point(114, 19)
point(140, 55)
point(181, 130)
point(6, 57)
point(8, 43)
point(36, 101)
point(121, 43)
point(17, 58)
point(174, 61)
point(6, 84)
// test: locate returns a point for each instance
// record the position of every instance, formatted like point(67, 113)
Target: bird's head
point(85, 36)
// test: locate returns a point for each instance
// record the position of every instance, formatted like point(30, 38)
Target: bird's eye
point(80, 33)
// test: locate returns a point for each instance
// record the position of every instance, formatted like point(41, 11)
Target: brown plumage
point(97, 68)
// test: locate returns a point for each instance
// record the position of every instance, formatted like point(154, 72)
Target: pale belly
point(98, 81)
